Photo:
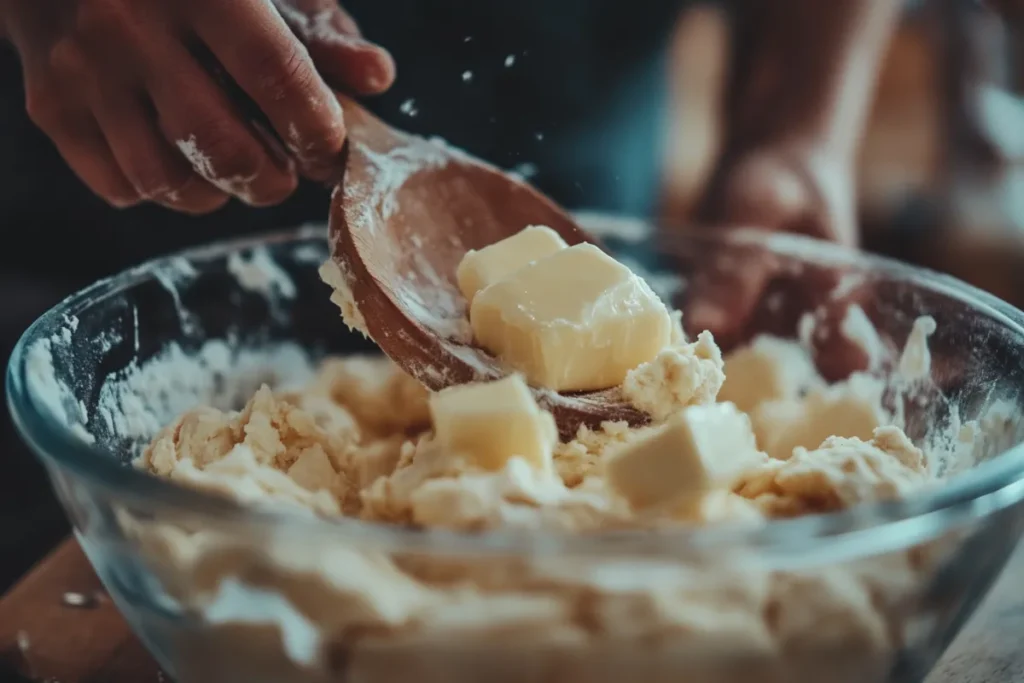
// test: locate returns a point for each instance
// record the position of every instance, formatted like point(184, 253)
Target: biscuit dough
point(356, 442)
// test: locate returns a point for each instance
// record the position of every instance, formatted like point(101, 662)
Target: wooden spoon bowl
point(405, 212)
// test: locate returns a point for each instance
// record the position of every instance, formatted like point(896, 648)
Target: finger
point(157, 171)
point(80, 141)
point(343, 57)
point(318, 12)
point(51, 102)
point(196, 116)
point(262, 55)
point(353, 64)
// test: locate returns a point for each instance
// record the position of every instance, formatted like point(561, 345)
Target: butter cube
point(850, 409)
point(491, 264)
point(769, 369)
point(701, 448)
point(576, 320)
point(488, 423)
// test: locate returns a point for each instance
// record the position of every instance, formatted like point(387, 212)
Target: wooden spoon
point(405, 212)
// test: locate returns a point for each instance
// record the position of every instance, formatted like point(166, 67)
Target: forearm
point(811, 72)
point(862, 30)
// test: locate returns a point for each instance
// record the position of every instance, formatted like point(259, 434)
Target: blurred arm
point(801, 92)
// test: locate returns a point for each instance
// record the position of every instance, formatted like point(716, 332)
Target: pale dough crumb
point(356, 440)
point(679, 376)
point(342, 297)
point(840, 473)
point(582, 457)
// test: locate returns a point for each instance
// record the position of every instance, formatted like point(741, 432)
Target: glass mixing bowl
point(223, 592)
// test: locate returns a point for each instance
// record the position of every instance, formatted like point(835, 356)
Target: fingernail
point(380, 77)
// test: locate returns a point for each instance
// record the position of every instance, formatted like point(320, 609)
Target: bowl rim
point(863, 530)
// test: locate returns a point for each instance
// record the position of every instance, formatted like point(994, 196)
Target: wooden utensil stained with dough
point(405, 212)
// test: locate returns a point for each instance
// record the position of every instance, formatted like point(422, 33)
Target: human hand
point(802, 86)
point(117, 86)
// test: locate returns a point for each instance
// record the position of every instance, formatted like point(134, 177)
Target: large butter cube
point(489, 422)
point(479, 269)
point(699, 449)
point(576, 320)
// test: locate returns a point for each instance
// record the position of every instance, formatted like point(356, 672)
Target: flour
point(806, 329)
point(258, 273)
point(318, 27)
point(848, 284)
point(56, 396)
point(239, 186)
point(409, 108)
point(44, 385)
point(857, 327)
point(202, 164)
point(916, 360)
point(386, 174)
point(438, 311)
point(137, 402)
point(524, 171)
point(310, 253)
point(913, 401)
point(173, 274)
point(426, 296)
point(235, 602)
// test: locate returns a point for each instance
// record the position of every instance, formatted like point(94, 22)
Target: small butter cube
point(490, 422)
point(768, 370)
point(479, 269)
point(700, 448)
point(576, 320)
